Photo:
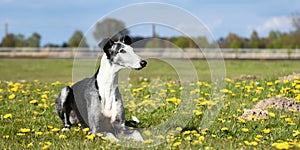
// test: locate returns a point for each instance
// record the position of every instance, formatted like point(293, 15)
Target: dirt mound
point(290, 77)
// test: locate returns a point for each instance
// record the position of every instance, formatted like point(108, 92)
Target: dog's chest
point(110, 102)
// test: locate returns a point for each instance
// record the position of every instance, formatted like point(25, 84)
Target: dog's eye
point(122, 51)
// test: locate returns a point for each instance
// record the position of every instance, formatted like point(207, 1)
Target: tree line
point(113, 28)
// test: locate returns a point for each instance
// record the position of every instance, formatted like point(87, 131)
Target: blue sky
point(56, 20)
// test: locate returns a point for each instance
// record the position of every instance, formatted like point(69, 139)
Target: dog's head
point(121, 53)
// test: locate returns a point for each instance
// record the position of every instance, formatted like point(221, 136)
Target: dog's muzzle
point(143, 64)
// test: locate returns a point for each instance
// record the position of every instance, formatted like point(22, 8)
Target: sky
point(56, 20)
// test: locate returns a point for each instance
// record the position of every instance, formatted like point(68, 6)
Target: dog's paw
point(65, 129)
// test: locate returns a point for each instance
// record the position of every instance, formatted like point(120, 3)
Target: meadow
point(199, 114)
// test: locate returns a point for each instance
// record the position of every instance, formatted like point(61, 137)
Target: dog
point(96, 102)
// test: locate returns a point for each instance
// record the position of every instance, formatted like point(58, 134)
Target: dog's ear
point(125, 39)
point(106, 44)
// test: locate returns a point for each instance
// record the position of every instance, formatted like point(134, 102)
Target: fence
point(154, 53)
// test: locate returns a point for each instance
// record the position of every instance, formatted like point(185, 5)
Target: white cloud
point(275, 23)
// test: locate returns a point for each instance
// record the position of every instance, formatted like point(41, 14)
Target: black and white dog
point(96, 102)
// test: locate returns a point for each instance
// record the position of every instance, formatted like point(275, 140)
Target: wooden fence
point(171, 53)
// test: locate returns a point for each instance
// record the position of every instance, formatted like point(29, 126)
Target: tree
point(110, 28)
point(8, 41)
point(232, 41)
point(254, 40)
point(34, 40)
point(77, 40)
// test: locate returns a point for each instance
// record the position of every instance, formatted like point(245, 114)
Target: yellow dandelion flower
point(55, 130)
point(255, 99)
point(90, 137)
point(241, 120)
point(24, 130)
point(296, 133)
point(186, 132)
point(46, 147)
point(245, 130)
point(38, 133)
point(176, 144)
point(224, 129)
point(266, 131)
point(147, 132)
point(20, 134)
point(259, 136)
point(229, 138)
point(254, 143)
point(50, 127)
point(33, 101)
point(288, 120)
point(12, 96)
point(5, 136)
point(283, 145)
point(148, 141)
point(62, 136)
point(271, 114)
point(178, 129)
point(7, 116)
point(44, 96)
point(86, 129)
point(30, 144)
point(228, 80)
point(198, 112)
point(188, 138)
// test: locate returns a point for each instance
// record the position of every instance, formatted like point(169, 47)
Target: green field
point(173, 115)
point(61, 69)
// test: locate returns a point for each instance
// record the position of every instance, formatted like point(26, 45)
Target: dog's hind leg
point(63, 105)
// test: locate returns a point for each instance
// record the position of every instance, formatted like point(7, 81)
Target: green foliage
point(77, 39)
point(109, 27)
point(19, 40)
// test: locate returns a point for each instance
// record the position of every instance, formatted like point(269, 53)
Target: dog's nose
point(143, 63)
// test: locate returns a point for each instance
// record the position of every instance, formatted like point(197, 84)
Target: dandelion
point(33, 101)
point(266, 131)
point(44, 96)
point(62, 136)
point(283, 145)
point(5, 136)
point(173, 100)
point(296, 133)
point(38, 133)
point(186, 132)
point(245, 130)
point(229, 138)
point(30, 144)
point(7, 116)
point(224, 129)
point(12, 96)
point(176, 144)
point(178, 129)
point(55, 130)
point(271, 114)
point(20, 134)
point(90, 137)
point(198, 112)
point(147, 132)
point(86, 129)
point(148, 141)
point(24, 130)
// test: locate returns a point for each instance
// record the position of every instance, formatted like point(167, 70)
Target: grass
point(172, 114)
point(61, 69)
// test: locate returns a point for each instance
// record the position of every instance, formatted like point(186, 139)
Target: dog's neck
point(107, 81)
